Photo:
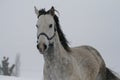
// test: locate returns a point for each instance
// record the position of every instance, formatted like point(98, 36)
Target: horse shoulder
point(89, 60)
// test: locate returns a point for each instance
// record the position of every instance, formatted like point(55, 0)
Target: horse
point(63, 62)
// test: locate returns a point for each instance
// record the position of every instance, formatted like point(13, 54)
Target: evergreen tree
point(6, 70)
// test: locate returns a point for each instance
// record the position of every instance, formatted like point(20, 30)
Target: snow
point(15, 78)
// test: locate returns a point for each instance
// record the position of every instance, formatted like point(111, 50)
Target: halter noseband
point(49, 38)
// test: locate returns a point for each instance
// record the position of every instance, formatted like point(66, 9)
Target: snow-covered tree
point(17, 66)
point(5, 69)
point(0, 70)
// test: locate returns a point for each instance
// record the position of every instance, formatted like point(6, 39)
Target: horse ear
point(52, 11)
point(36, 11)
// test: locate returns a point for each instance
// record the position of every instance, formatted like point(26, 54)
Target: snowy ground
point(23, 78)
point(24, 75)
point(15, 78)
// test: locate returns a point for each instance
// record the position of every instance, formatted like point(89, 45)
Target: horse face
point(45, 32)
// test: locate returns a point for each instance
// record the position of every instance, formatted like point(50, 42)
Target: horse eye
point(50, 26)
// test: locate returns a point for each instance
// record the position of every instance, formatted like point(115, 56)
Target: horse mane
point(61, 35)
point(42, 12)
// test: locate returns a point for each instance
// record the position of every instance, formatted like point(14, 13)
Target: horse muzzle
point(42, 47)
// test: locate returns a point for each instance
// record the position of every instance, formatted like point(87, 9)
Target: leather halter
point(49, 38)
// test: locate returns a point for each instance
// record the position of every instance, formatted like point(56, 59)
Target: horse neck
point(57, 52)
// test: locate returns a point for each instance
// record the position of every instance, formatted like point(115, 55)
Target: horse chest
point(58, 70)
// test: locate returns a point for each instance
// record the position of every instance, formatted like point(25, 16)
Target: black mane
point(42, 12)
point(61, 35)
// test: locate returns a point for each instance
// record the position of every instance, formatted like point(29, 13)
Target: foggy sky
point(85, 22)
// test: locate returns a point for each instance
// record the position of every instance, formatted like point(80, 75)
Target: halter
point(49, 38)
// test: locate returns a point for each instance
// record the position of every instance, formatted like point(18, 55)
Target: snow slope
point(15, 78)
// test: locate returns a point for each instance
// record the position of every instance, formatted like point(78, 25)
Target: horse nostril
point(45, 46)
point(37, 46)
